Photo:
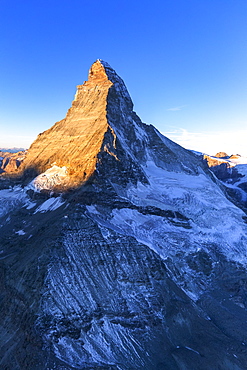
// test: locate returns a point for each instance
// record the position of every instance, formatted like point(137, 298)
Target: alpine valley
point(119, 249)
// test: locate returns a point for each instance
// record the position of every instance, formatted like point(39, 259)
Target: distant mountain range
point(11, 150)
point(119, 249)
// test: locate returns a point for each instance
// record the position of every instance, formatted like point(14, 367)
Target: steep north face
point(119, 248)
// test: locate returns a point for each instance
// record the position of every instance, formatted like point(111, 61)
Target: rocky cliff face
point(139, 264)
point(10, 162)
point(232, 172)
point(75, 141)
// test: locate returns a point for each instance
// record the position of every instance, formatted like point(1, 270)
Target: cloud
point(209, 142)
point(176, 108)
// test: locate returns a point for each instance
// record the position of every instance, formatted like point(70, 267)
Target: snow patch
point(54, 176)
point(191, 349)
point(13, 198)
point(50, 205)
point(20, 232)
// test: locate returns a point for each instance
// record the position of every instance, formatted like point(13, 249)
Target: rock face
point(139, 264)
point(222, 155)
point(232, 172)
point(221, 166)
point(10, 162)
point(76, 141)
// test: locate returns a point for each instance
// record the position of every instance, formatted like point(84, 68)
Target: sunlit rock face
point(232, 172)
point(122, 251)
point(10, 162)
point(75, 141)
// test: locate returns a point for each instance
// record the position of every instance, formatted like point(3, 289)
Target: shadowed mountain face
point(139, 264)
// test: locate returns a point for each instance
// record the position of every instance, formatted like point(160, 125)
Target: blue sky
point(184, 63)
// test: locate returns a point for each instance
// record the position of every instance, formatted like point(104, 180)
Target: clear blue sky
point(184, 63)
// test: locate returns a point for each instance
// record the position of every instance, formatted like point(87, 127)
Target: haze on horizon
point(184, 64)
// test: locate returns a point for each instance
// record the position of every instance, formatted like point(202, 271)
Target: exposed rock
point(235, 156)
point(232, 171)
point(10, 162)
point(221, 155)
point(75, 141)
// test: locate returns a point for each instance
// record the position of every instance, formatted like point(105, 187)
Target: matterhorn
point(119, 249)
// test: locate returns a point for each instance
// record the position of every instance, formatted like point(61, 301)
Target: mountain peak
point(102, 73)
point(75, 142)
point(97, 72)
point(100, 138)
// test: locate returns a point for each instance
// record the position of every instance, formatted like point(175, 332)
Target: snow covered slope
point(179, 213)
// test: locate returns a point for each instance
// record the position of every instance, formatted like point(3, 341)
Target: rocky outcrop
point(216, 161)
point(231, 171)
point(10, 162)
point(222, 167)
point(221, 155)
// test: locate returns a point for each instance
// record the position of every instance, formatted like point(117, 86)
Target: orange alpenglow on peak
point(97, 73)
point(74, 142)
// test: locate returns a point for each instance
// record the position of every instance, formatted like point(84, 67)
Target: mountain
point(10, 161)
point(119, 248)
point(232, 172)
point(12, 150)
